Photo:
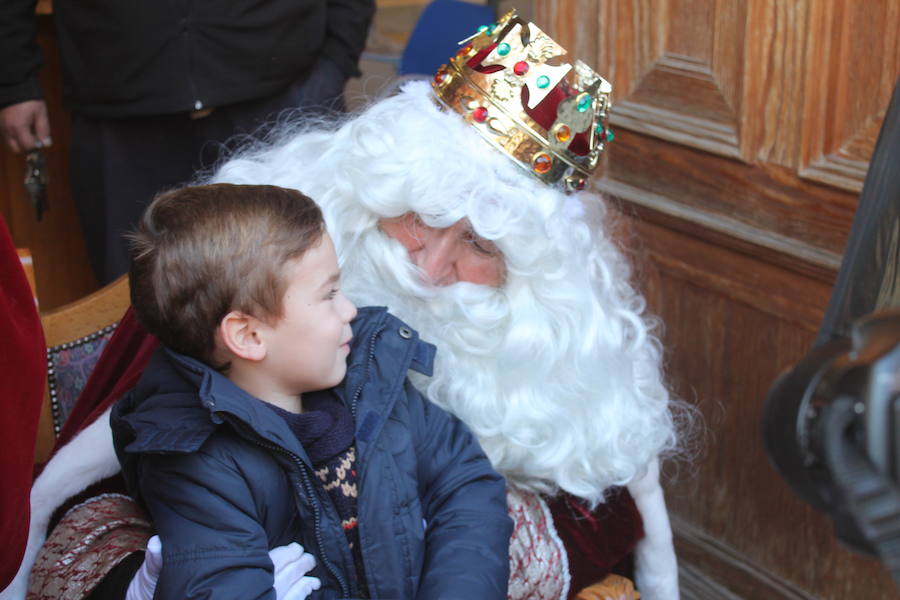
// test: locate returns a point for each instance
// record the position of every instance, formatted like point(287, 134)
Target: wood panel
point(764, 209)
point(787, 82)
point(732, 324)
point(855, 61)
point(61, 267)
point(743, 133)
point(684, 88)
point(741, 76)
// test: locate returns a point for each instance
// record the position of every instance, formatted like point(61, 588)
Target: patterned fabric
point(539, 568)
point(70, 365)
point(89, 541)
point(338, 478)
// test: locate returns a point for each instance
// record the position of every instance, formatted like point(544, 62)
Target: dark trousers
point(119, 165)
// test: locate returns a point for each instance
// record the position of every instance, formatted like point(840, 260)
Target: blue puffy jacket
point(225, 481)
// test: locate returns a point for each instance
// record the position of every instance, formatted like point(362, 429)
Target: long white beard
point(546, 419)
point(557, 373)
point(466, 322)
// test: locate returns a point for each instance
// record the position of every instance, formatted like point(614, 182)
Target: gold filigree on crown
point(510, 83)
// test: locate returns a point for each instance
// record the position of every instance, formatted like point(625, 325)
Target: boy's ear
point(240, 334)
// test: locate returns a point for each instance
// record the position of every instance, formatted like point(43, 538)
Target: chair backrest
point(28, 266)
point(75, 334)
point(436, 35)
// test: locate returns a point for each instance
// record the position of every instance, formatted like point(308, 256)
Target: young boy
point(249, 430)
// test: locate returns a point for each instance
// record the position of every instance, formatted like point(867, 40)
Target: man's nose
point(437, 257)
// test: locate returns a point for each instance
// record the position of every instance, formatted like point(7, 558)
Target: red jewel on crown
point(480, 114)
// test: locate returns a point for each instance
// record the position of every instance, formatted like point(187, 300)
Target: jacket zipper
point(371, 358)
point(353, 406)
point(310, 491)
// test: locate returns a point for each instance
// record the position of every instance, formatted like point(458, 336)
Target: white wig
point(556, 372)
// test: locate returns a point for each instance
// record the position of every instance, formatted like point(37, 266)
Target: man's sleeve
point(21, 58)
point(464, 502)
point(348, 28)
point(205, 515)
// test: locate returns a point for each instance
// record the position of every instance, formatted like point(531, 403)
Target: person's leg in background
point(119, 165)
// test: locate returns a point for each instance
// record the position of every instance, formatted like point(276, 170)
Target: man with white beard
point(544, 349)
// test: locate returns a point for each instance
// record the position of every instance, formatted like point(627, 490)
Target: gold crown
point(509, 83)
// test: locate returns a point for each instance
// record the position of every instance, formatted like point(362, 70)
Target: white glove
point(291, 566)
point(143, 584)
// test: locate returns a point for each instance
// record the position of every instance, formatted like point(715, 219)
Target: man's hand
point(143, 584)
point(25, 126)
point(291, 566)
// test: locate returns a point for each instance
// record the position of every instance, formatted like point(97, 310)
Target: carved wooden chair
point(28, 266)
point(75, 334)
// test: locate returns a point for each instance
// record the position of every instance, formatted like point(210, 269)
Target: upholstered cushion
point(68, 368)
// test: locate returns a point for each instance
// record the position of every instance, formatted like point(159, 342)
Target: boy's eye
point(331, 295)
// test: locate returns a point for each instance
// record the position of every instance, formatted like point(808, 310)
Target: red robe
point(23, 374)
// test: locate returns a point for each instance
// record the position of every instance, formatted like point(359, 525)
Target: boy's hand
point(291, 566)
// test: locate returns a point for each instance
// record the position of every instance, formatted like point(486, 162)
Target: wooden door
point(743, 133)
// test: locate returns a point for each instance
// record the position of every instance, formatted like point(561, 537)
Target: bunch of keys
point(36, 181)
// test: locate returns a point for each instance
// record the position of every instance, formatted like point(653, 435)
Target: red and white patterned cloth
point(539, 567)
point(89, 541)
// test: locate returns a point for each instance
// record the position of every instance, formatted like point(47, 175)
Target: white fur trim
point(656, 568)
point(87, 459)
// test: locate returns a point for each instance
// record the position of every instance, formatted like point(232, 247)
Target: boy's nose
point(348, 308)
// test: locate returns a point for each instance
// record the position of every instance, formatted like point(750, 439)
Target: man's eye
point(481, 245)
point(331, 295)
point(485, 247)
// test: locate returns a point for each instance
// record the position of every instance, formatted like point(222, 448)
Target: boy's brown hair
point(200, 252)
